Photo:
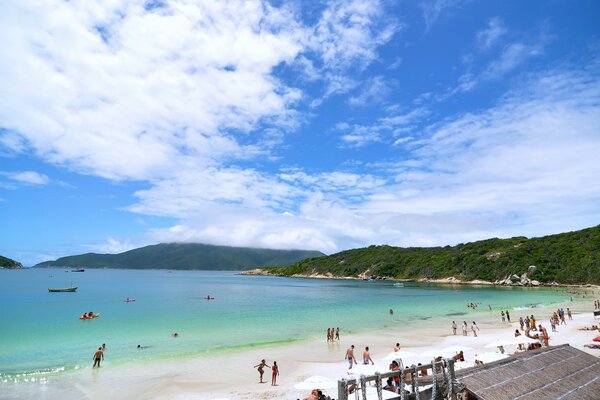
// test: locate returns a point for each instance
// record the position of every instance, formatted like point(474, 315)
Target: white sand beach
point(232, 376)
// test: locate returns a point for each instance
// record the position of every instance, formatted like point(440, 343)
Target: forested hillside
point(572, 257)
point(8, 263)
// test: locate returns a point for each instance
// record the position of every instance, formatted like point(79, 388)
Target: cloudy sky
point(300, 124)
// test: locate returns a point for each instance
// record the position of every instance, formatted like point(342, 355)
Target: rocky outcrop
point(516, 280)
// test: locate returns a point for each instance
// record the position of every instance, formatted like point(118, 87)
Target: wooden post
point(342, 390)
point(453, 395)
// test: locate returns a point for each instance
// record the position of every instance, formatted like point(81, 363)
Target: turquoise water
point(41, 331)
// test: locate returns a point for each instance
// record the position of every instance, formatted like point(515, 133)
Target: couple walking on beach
point(474, 328)
point(274, 370)
point(351, 359)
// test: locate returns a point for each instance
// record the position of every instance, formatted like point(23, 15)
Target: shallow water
point(42, 333)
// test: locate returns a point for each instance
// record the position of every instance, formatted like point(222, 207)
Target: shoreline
point(231, 376)
point(444, 281)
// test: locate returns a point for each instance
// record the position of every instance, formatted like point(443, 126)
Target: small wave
point(528, 306)
point(456, 314)
point(30, 376)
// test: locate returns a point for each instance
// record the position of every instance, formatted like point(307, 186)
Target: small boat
point(89, 316)
point(69, 289)
point(78, 270)
point(128, 300)
point(398, 284)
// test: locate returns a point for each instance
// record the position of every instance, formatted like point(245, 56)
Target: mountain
point(7, 263)
point(567, 258)
point(185, 256)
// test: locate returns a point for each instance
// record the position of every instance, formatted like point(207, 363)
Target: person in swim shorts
point(350, 356)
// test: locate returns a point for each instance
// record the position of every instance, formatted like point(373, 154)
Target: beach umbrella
point(316, 382)
point(399, 354)
point(367, 369)
point(490, 357)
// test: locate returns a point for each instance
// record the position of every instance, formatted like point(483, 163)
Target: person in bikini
point(275, 370)
point(261, 370)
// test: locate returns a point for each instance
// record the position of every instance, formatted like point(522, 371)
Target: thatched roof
point(560, 372)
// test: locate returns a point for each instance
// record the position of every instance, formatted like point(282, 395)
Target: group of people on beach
point(465, 328)
point(333, 334)
point(274, 371)
point(505, 316)
point(596, 304)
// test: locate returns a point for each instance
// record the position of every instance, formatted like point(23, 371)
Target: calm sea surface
point(40, 332)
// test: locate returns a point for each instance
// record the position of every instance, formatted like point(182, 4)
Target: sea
point(41, 332)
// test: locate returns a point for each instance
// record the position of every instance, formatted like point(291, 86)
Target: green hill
point(568, 258)
point(7, 263)
point(185, 256)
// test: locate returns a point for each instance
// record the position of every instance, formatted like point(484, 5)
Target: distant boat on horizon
point(78, 270)
point(69, 289)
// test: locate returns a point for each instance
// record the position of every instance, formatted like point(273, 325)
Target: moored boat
point(78, 270)
point(69, 289)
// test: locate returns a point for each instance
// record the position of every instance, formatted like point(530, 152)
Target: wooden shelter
point(560, 372)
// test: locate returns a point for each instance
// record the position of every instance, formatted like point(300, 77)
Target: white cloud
point(120, 92)
point(391, 129)
point(27, 177)
point(525, 162)
point(432, 10)
point(489, 36)
point(524, 166)
point(512, 56)
point(373, 92)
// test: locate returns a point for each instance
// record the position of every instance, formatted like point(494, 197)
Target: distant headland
point(185, 256)
point(7, 263)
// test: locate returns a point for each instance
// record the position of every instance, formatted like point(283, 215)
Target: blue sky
point(301, 124)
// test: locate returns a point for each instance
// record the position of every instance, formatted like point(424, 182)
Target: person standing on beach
point(98, 355)
point(337, 333)
point(503, 317)
point(474, 328)
point(275, 370)
point(453, 327)
point(545, 336)
point(350, 356)
point(261, 370)
point(507, 316)
point(367, 357)
point(521, 322)
point(464, 328)
point(397, 347)
point(569, 314)
point(328, 334)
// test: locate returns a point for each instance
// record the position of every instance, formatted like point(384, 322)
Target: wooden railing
point(442, 378)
